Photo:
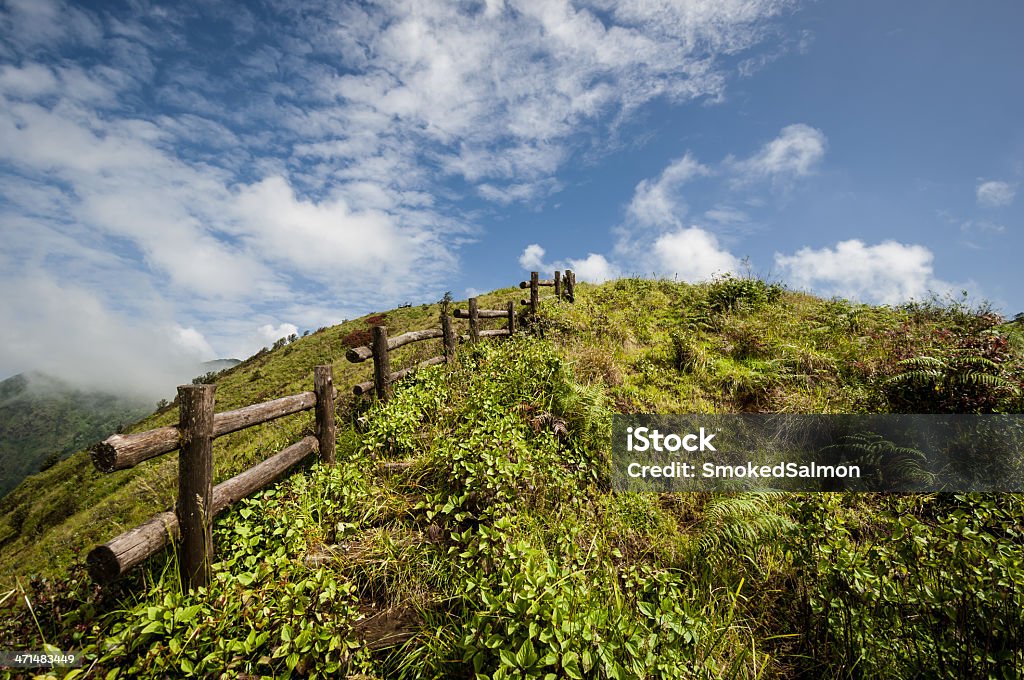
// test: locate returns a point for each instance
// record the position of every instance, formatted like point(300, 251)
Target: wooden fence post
point(448, 338)
point(511, 318)
point(570, 285)
point(381, 363)
point(474, 321)
point(534, 293)
point(558, 285)
point(194, 507)
point(323, 386)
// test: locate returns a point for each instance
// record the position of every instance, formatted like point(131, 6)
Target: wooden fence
point(198, 500)
point(565, 288)
point(381, 347)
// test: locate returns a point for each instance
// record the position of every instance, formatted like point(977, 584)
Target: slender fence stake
point(323, 386)
point(448, 335)
point(194, 507)
point(511, 318)
point(534, 294)
point(558, 285)
point(474, 321)
point(381, 363)
point(570, 285)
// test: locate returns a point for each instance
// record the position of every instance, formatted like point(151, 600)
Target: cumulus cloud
point(658, 202)
point(886, 273)
point(270, 334)
point(594, 268)
point(693, 255)
point(994, 194)
point(794, 153)
point(532, 258)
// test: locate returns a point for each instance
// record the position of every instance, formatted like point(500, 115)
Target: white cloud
point(497, 94)
point(532, 258)
point(69, 332)
point(33, 80)
point(726, 215)
point(794, 153)
point(269, 334)
point(657, 202)
point(193, 342)
point(981, 227)
point(993, 194)
point(886, 273)
point(323, 238)
point(594, 268)
point(522, 192)
point(693, 255)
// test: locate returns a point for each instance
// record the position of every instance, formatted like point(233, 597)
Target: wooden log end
point(524, 284)
point(358, 354)
point(102, 564)
point(104, 456)
point(363, 388)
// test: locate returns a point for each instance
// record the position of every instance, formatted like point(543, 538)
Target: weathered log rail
point(198, 500)
point(380, 348)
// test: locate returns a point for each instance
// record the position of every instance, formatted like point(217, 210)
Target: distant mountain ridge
point(44, 419)
point(219, 364)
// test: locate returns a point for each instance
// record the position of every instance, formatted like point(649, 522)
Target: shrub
point(357, 338)
point(729, 293)
point(961, 373)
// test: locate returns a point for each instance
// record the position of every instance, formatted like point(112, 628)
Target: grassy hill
point(495, 547)
point(44, 420)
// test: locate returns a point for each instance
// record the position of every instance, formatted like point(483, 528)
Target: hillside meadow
point(469, 529)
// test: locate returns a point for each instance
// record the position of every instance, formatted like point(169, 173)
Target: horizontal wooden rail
point(367, 387)
point(540, 282)
point(121, 451)
point(359, 354)
point(491, 333)
point(482, 313)
point(110, 560)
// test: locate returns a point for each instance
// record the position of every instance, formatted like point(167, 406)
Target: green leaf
point(571, 665)
point(526, 656)
point(507, 658)
point(186, 615)
point(155, 626)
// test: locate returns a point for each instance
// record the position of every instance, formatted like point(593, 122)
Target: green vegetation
point(469, 531)
point(43, 421)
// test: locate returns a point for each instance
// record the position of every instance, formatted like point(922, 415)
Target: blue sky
point(192, 180)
